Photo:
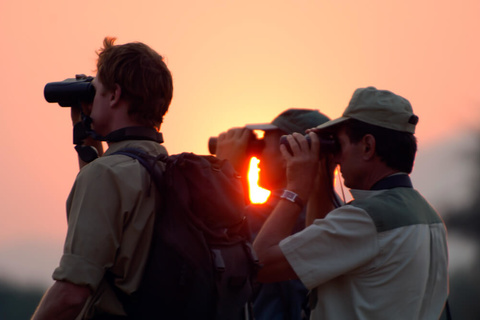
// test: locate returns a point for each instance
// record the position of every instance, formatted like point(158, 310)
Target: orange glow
point(336, 177)
point(256, 193)
point(338, 185)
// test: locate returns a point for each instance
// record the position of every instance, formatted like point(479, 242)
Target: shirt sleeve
point(95, 224)
point(344, 240)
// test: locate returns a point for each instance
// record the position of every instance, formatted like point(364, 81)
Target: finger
point(301, 140)
point(285, 153)
point(314, 129)
point(231, 132)
point(87, 108)
point(314, 143)
point(75, 115)
point(234, 133)
point(294, 146)
point(245, 134)
point(222, 136)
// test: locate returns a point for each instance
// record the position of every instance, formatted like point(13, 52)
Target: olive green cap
point(293, 120)
point(378, 107)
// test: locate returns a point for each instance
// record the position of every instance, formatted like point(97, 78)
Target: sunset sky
point(233, 63)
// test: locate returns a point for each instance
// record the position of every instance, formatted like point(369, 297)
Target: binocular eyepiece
point(70, 92)
point(328, 143)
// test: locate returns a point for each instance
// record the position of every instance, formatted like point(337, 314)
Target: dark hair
point(142, 75)
point(396, 148)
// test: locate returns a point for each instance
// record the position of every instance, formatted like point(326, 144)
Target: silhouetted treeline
point(18, 303)
point(465, 284)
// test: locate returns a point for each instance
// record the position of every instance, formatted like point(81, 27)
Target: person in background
point(384, 254)
point(285, 300)
point(110, 213)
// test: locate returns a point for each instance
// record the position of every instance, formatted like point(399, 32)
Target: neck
point(393, 181)
point(134, 133)
point(377, 176)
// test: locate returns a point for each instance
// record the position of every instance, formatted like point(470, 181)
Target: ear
point(115, 95)
point(369, 145)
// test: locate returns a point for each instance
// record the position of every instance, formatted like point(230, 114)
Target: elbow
point(73, 296)
point(74, 301)
point(63, 300)
point(264, 275)
point(281, 271)
point(274, 266)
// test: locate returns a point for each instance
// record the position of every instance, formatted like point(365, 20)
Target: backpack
point(201, 264)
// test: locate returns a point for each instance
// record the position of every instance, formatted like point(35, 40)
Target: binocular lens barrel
point(70, 92)
point(327, 144)
point(212, 145)
point(254, 148)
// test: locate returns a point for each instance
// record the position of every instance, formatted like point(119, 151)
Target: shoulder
point(103, 167)
point(117, 169)
point(396, 208)
point(150, 147)
point(111, 162)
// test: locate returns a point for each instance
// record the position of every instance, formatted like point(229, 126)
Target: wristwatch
point(292, 197)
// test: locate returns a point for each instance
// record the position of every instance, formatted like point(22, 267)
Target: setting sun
point(257, 194)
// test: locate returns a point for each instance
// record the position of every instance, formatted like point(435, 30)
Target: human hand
point(75, 115)
point(232, 146)
point(302, 163)
point(76, 112)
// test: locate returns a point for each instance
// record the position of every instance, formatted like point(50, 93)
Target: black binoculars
point(254, 147)
point(328, 144)
point(70, 92)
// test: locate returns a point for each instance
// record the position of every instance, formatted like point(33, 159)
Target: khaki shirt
point(110, 212)
point(384, 256)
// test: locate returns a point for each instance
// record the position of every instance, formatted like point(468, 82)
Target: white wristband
point(292, 197)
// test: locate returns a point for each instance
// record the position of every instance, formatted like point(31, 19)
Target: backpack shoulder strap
point(146, 160)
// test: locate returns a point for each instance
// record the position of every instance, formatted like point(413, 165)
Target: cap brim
point(331, 123)
point(261, 126)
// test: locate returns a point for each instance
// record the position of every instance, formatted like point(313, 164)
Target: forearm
point(63, 301)
point(94, 143)
point(319, 205)
point(321, 200)
point(76, 116)
point(278, 226)
point(302, 165)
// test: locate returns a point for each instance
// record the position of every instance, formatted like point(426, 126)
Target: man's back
point(110, 207)
point(110, 215)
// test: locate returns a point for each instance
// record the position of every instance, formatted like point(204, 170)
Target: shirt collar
point(396, 180)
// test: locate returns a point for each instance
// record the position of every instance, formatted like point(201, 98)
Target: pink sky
point(233, 63)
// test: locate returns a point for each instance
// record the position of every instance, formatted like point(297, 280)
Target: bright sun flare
point(256, 193)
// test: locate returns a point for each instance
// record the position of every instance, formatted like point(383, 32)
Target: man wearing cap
point(384, 254)
point(286, 299)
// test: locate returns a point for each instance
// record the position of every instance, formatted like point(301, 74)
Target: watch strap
point(292, 197)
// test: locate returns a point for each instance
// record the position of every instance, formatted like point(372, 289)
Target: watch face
point(292, 196)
